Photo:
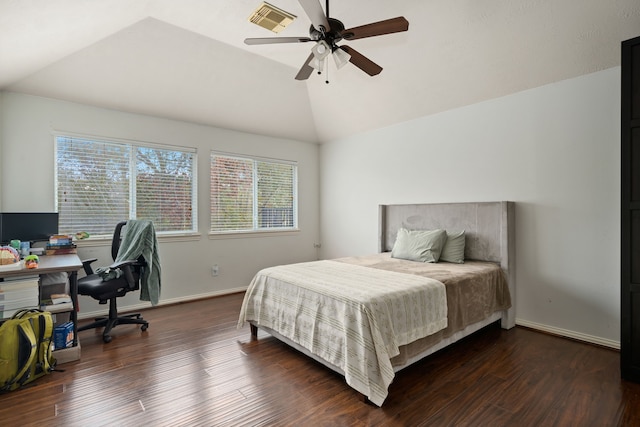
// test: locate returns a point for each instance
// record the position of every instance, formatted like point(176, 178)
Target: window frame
point(132, 146)
point(254, 231)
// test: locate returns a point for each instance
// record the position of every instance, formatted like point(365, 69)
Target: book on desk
point(61, 249)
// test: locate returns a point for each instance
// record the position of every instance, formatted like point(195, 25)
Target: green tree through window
point(100, 183)
point(250, 194)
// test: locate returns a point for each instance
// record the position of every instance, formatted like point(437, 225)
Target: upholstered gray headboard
point(489, 229)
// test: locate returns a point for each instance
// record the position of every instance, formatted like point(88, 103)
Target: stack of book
point(57, 303)
point(61, 245)
point(17, 294)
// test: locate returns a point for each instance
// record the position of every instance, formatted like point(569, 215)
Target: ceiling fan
point(327, 32)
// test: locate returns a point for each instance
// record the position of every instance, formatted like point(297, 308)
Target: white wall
point(554, 150)
point(27, 175)
point(1, 138)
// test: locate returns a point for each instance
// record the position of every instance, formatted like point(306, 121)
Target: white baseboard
point(143, 305)
point(570, 334)
point(533, 325)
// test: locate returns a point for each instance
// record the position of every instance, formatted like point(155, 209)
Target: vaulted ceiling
point(186, 59)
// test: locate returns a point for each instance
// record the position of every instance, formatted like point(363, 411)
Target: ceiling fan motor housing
point(332, 36)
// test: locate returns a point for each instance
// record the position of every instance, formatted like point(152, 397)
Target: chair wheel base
point(111, 321)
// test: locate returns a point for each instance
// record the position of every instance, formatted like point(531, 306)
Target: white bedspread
point(353, 317)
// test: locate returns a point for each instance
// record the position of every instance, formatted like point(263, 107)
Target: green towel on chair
point(140, 239)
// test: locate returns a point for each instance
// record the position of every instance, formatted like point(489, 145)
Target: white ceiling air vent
point(270, 17)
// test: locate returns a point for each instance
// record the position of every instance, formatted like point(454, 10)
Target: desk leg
point(73, 289)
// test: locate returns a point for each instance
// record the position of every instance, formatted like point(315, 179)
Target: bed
point(368, 317)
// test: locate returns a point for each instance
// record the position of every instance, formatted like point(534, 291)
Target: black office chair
point(95, 286)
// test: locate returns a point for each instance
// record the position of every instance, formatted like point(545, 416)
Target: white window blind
point(251, 194)
point(100, 183)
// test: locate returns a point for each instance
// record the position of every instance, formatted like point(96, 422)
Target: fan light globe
point(321, 50)
point(341, 58)
point(317, 64)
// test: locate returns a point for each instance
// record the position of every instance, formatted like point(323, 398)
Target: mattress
point(335, 311)
point(475, 291)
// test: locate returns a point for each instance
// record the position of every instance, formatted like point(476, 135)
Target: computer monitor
point(27, 226)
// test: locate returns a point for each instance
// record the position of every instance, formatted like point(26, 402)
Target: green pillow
point(419, 245)
point(453, 250)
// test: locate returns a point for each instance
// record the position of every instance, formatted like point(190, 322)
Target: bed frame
point(490, 236)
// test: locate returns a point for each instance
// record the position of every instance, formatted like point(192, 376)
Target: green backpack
point(25, 348)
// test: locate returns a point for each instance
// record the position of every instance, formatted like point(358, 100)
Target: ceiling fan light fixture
point(341, 58)
point(321, 50)
point(317, 64)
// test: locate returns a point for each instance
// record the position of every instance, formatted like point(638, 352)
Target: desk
point(69, 264)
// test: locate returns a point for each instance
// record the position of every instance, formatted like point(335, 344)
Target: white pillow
point(453, 250)
point(419, 245)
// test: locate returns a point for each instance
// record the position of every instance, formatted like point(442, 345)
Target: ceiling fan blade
point(306, 69)
point(271, 40)
point(314, 11)
point(362, 62)
point(393, 25)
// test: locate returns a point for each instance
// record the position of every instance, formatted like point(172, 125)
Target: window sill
point(252, 234)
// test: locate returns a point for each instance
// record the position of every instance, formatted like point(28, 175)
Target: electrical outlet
point(215, 270)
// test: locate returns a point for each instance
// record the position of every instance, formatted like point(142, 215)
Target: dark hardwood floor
point(193, 367)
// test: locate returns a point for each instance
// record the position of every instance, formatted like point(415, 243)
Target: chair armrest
point(125, 266)
point(127, 262)
point(86, 264)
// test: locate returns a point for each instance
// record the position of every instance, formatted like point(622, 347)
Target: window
point(100, 183)
point(252, 194)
